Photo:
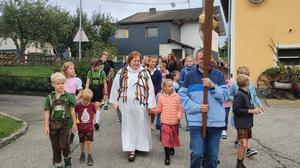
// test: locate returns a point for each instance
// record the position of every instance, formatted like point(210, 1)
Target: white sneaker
point(152, 127)
point(224, 134)
point(251, 152)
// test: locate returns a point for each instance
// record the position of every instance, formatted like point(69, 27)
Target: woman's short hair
point(133, 55)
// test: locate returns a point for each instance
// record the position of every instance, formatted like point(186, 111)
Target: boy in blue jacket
point(191, 97)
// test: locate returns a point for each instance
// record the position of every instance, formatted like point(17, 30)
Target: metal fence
point(28, 59)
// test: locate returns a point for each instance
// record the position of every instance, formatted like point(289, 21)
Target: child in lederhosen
point(96, 81)
point(59, 108)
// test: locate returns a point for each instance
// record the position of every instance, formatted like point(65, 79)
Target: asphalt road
point(276, 137)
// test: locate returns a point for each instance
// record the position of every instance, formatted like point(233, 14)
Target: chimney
point(152, 10)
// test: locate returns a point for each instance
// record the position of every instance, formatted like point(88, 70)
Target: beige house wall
point(256, 25)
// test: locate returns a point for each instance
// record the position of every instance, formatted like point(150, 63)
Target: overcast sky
point(121, 10)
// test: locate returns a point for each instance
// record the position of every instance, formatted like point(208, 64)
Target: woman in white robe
point(133, 93)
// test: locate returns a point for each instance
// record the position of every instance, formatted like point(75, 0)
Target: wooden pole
point(207, 29)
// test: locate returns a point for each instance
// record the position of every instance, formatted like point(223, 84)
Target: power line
point(143, 3)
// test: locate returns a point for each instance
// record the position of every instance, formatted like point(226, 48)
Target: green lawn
point(27, 70)
point(8, 126)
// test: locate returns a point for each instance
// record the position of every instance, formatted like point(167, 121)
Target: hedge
point(25, 83)
point(10, 82)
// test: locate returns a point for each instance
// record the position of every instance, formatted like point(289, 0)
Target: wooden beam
point(207, 29)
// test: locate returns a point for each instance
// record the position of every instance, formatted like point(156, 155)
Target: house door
point(178, 53)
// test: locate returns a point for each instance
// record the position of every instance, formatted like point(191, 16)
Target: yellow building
point(253, 25)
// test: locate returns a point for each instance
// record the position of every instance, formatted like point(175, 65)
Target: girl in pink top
point(171, 112)
point(72, 85)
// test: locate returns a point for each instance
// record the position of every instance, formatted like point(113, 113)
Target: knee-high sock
point(167, 152)
point(97, 117)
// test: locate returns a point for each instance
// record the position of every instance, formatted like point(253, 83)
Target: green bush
point(19, 83)
point(273, 72)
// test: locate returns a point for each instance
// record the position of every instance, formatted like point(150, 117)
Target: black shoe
point(167, 161)
point(131, 157)
point(90, 161)
point(68, 162)
point(96, 126)
point(71, 138)
point(82, 158)
point(172, 151)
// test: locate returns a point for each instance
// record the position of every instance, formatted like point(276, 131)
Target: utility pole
point(189, 3)
point(80, 29)
point(80, 36)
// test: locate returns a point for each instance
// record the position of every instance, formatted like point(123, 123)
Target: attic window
point(151, 32)
point(121, 33)
point(289, 56)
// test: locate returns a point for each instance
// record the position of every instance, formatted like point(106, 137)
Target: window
point(188, 51)
point(121, 33)
point(289, 56)
point(151, 32)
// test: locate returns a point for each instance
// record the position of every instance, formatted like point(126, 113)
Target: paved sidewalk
point(276, 138)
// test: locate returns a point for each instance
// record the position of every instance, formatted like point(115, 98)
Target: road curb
point(16, 135)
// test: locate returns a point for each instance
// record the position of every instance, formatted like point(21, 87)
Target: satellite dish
point(173, 4)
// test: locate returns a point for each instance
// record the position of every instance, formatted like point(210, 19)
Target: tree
point(28, 21)
point(224, 50)
point(36, 22)
point(98, 29)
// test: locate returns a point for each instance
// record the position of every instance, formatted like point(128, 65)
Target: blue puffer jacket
point(184, 72)
point(191, 96)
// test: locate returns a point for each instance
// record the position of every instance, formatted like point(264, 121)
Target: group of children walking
point(63, 116)
point(70, 108)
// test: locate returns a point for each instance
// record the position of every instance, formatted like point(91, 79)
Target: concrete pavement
point(275, 135)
